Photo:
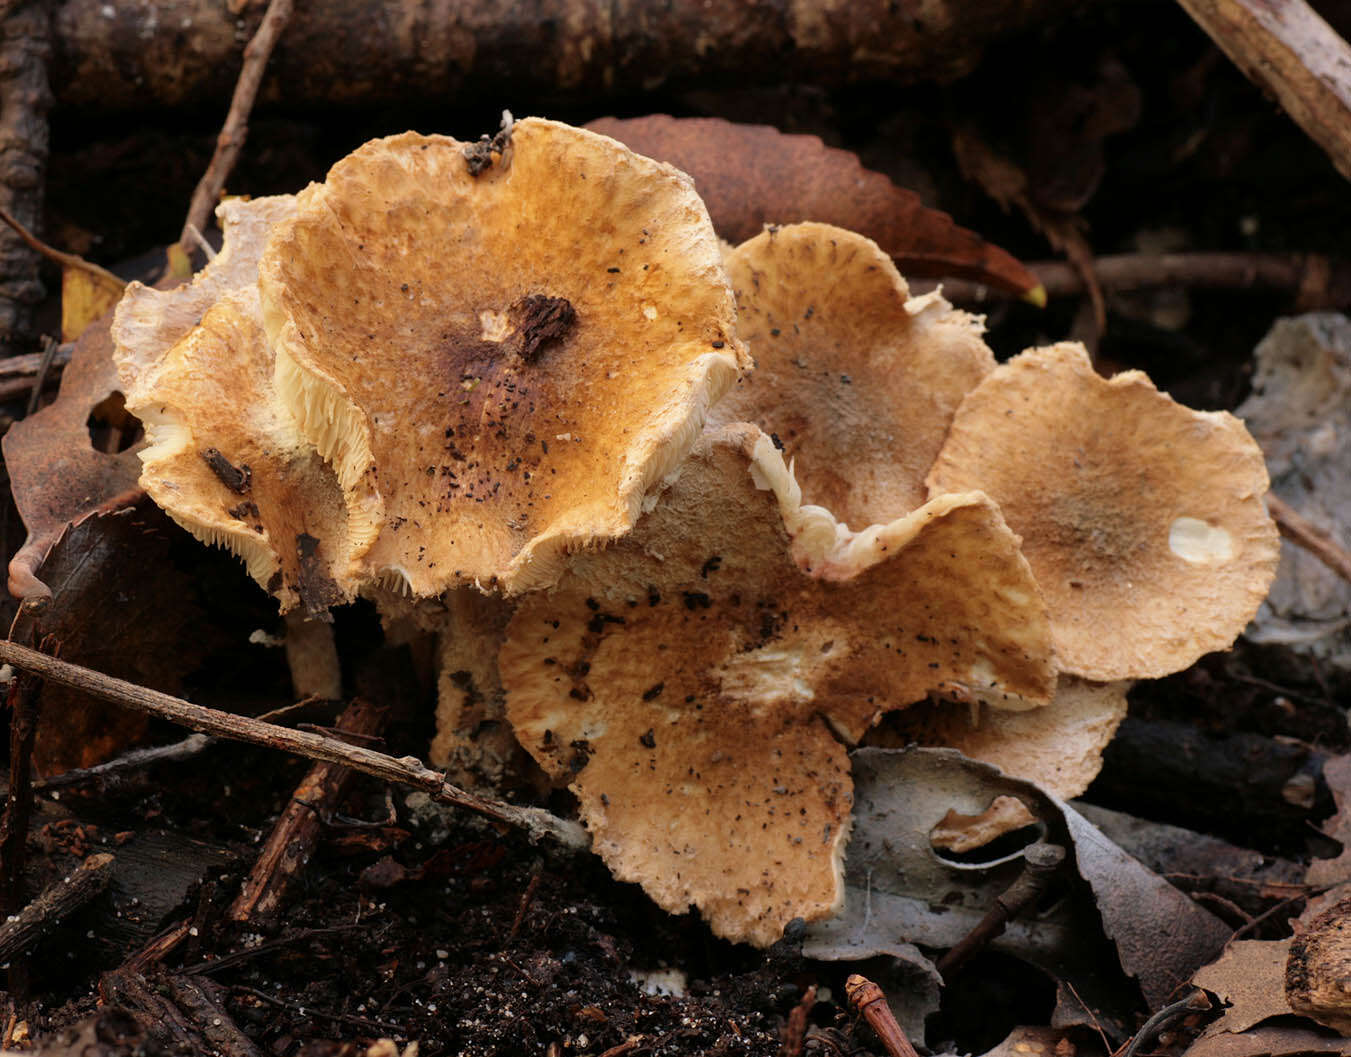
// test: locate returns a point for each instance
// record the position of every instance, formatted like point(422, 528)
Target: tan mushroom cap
point(224, 457)
point(497, 365)
point(148, 322)
point(1142, 519)
point(1058, 746)
point(855, 378)
point(691, 681)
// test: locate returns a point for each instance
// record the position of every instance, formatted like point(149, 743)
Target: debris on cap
point(695, 686)
point(855, 379)
point(224, 457)
point(1142, 519)
point(498, 352)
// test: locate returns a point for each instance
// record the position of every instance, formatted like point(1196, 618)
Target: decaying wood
point(1318, 971)
point(1315, 280)
point(297, 831)
point(186, 52)
point(22, 930)
point(1286, 48)
point(236, 128)
point(25, 46)
point(1242, 786)
point(25, 701)
point(181, 1014)
point(407, 770)
point(19, 373)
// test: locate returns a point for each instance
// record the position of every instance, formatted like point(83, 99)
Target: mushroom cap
point(1142, 519)
point(691, 681)
point(855, 378)
point(224, 458)
point(497, 365)
point(1058, 745)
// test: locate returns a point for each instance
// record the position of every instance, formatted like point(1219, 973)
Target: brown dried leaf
point(57, 476)
point(750, 175)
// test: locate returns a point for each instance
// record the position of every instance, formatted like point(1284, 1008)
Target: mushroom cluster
point(484, 384)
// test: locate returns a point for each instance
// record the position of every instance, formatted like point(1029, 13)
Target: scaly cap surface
point(692, 682)
point(857, 380)
point(498, 354)
point(1142, 519)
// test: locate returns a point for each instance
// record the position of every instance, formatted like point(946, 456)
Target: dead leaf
point(751, 175)
point(87, 291)
point(1250, 977)
point(56, 474)
point(894, 880)
point(110, 616)
point(1324, 873)
point(1276, 1040)
point(85, 296)
point(1005, 182)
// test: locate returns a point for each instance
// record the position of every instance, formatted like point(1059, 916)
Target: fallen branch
point(25, 701)
point(1318, 281)
point(19, 374)
point(236, 128)
point(1305, 534)
point(21, 931)
point(134, 760)
point(1286, 49)
point(1041, 862)
point(293, 838)
point(407, 770)
point(25, 47)
point(179, 53)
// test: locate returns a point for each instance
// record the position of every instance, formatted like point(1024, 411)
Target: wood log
point(25, 43)
point(187, 52)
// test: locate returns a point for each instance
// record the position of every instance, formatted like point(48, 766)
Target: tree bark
point(187, 52)
point(25, 47)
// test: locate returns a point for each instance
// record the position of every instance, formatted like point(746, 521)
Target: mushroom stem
point(406, 770)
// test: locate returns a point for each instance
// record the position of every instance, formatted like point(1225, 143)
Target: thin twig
point(236, 128)
point(18, 374)
point(66, 260)
point(134, 760)
point(407, 770)
point(298, 828)
point(1269, 912)
point(1040, 863)
point(1193, 1003)
point(44, 365)
point(57, 901)
point(340, 1018)
point(1304, 533)
point(249, 953)
point(25, 699)
point(1318, 281)
point(867, 998)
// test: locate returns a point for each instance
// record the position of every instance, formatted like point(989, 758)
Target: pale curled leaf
point(895, 880)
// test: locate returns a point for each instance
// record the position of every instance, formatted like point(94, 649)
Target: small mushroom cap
point(1058, 745)
point(1142, 519)
point(149, 322)
point(855, 378)
point(497, 365)
point(691, 682)
point(224, 457)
